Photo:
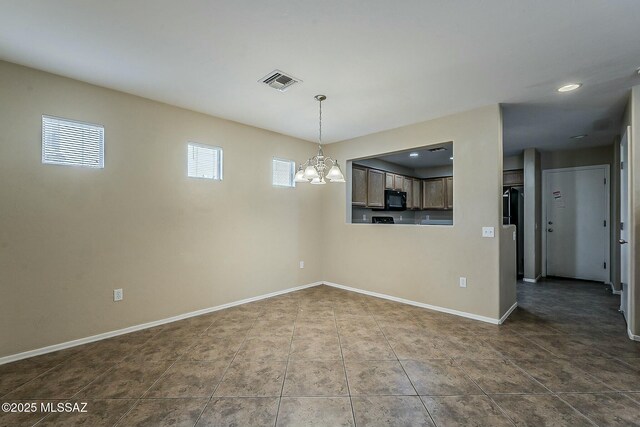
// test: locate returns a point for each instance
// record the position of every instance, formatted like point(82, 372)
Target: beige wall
point(634, 170)
point(69, 236)
point(513, 162)
point(423, 263)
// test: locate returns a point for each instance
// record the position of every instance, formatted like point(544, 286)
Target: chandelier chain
point(320, 125)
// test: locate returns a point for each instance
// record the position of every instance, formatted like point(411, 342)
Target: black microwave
point(395, 200)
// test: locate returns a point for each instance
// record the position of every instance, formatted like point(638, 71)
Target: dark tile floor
point(327, 357)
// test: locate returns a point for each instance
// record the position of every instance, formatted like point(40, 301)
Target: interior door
point(577, 226)
point(624, 222)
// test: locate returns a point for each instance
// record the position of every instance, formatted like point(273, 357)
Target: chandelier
point(319, 167)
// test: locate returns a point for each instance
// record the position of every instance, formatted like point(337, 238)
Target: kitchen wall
point(424, 263)
point(632, 118)
point(69, 236)
point(385, 166)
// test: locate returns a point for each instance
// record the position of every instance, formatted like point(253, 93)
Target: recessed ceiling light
point(569, 87)
point(451, 158)
point(578, 136)
point(413, 155)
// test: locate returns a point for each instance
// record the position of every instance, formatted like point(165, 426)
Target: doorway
point(624, 223)
point(576, 237)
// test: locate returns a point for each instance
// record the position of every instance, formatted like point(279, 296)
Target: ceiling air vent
point(279, 80)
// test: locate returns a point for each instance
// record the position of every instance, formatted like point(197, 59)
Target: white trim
point(524, 279)
point(418, 304)
point(613, 290)
point(508, 313)
point(632, 336)
point(105, 335)
point(607, 212)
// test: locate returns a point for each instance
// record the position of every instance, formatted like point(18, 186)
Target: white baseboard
point(504, 316)
point(632, 336)
point(422, 305)
point(613, 290)
point(93, 338)
point(524, 279)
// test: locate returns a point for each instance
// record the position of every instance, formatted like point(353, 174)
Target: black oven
point(395, 200)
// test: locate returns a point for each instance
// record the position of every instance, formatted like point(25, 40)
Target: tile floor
point(327, 357)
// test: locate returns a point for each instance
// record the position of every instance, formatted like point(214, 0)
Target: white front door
point(624, 222)
point(577, 222)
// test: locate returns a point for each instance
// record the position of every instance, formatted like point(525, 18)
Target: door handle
point(622, 242)
point(550, 230)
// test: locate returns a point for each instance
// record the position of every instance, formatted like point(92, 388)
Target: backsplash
point(363, 215)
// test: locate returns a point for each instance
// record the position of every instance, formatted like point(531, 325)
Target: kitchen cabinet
point(433, 194)
point(437, 193)
point(388, 181)
point(416, 190)
point(358, 186)
point(448, 183)
point(398, 182)
point(513, 177)
point(407, 187)
point(375, 188)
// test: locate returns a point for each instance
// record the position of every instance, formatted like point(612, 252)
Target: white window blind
point(204, 161)
point(68, 142)
point(284, 172)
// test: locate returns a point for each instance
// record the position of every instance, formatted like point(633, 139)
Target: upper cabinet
point(368, 186)
point(398, 182)
point(408, 188)
point(448, 183)
point(433, 194)
point(375, 188)
point(359, 186)
point(437, 193)
point(417, 193)
point(389, 181)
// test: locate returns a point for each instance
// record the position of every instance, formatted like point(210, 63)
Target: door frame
point(630, 286)
point(607, 209)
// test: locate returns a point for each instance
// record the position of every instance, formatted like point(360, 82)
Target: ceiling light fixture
point(579, 136)
point(569, 87)
point(314, 170)
point(451, 158)
point(413, 155)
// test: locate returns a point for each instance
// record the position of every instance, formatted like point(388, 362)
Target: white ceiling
point(382, 64)
point(425, 158)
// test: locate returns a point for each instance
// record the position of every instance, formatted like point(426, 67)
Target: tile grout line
point(137, 401)
point(104, 373)
point(204, 408)
point(286, 368)
point(344, 367)
point(405, 371)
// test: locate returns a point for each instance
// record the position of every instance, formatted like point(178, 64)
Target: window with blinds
point(72, 143)
point(283, 173)
point(204, 161)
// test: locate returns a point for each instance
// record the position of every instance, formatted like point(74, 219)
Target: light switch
point(488, 232)
point(463, 282)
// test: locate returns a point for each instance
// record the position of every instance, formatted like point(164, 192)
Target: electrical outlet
point(488, 232)
point(364, 217)
point(463, 282)
point(514, 236)
point(117, 295)
point(301, 264)
point(400, 217)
